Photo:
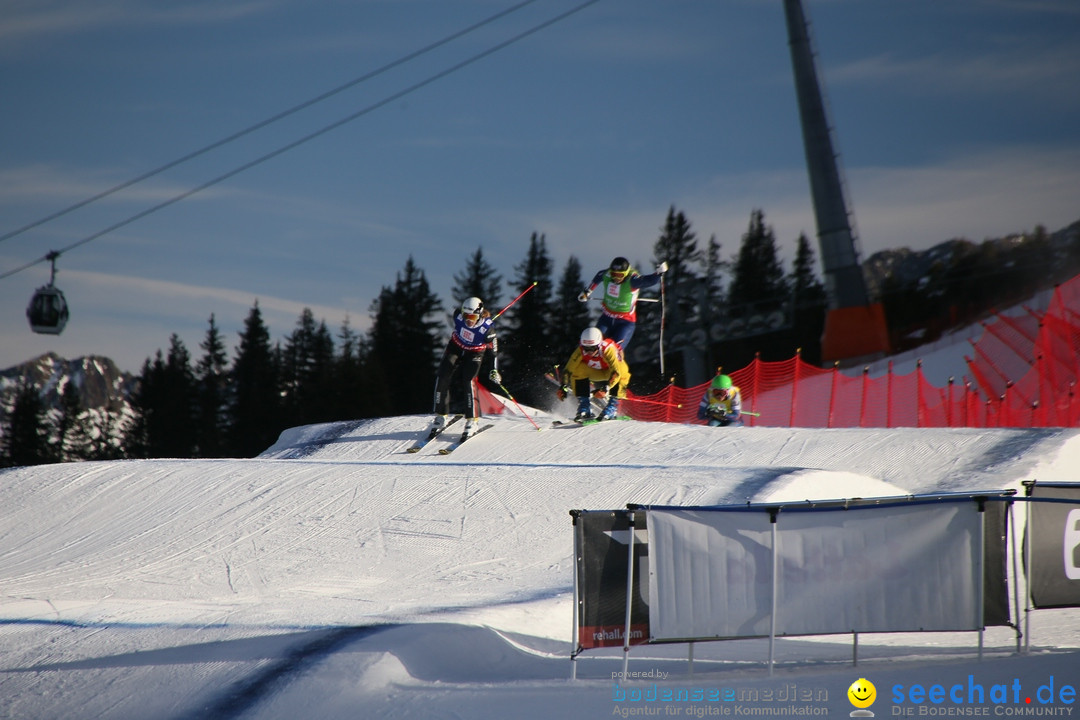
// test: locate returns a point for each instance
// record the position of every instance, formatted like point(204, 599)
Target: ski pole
point(515, 300)
point(520, 409)
point(640, 299)
point(653, 402)
point(663, 309)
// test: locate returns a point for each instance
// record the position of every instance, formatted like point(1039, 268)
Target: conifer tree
point(682, 291)
point(809, 302)
point(307, 372)
point(256, 415)
point(354, 396)
point(806, 289)
point(212, 382)
point(73, 433)
point(478, 279)
point(405, 338)
point(677, 246)
point(182, 399)
point(26, 438)
point(715, 269)
point(759, 284)
point(165, 406)
point(571, 315)
point(527, 344)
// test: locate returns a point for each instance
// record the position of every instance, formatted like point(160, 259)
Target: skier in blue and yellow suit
point(721, 405)
point(621, 284)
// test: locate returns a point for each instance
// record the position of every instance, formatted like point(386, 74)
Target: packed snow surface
point(336, 576)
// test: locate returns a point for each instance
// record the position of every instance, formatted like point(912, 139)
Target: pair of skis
point(587, 421)
point(435, 433)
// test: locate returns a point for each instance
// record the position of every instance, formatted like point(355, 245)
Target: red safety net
point(1023, 373)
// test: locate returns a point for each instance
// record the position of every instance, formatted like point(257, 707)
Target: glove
point(661, 268)
point(562, 392)
point(717, 413)
point(600, 394)
point(584, 296)
point(495, 376)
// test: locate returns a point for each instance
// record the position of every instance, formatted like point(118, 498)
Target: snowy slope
point(336, 576)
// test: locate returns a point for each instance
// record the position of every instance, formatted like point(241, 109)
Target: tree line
point(205, 406)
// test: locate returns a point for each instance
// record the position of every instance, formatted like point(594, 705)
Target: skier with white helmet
point(596, 368)
point(473, 335)
point(621, 285)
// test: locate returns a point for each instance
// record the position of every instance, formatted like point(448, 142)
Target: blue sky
point(954, 118)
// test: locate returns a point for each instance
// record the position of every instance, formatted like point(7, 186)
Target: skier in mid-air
point(473, 335)
point(597, 362)
point(721, 405)
point(621, 285)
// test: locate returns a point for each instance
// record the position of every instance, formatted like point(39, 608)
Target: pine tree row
point(185, 407)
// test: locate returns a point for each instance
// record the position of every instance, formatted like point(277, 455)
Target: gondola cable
point(311, 136)
point(262, 124)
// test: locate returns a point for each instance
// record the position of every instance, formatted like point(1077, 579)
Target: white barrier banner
point(863, 569)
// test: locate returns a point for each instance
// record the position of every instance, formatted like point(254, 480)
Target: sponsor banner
point(601, 544)
point(1054, 534)
point(860, 568)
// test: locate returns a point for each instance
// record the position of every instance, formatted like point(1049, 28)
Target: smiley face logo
point(862, 693)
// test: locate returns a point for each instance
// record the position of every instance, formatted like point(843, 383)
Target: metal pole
point(1015, 572)
point(775, 575)
point(1027, 576)
point(629, 594)
point(980, 579)
point(575, 638)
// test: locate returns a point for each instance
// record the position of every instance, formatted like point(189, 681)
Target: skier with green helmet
point(722, 403)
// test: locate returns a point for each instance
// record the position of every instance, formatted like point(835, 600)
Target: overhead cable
point(264, 123)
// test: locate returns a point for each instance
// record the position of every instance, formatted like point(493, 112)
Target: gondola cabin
point(47, 311)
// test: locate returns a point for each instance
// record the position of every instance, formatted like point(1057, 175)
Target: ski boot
point(471, 426)
point(610, 409)
point(437, 426)
point(584, 409)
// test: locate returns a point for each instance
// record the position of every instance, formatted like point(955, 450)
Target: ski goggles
point(720, 393)
point(590, 349)
point(471, 318)
point(618, 275)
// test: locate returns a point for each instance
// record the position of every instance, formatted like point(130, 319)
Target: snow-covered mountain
point(336, 576)
point(100, 383)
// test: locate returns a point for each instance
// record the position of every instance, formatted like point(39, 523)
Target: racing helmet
point(591, 338)
point(471, 309)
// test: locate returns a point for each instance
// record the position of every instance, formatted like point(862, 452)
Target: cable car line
point(313, 135)
point(264, 123)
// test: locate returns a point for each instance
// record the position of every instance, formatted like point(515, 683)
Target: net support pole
point(775, 592)
point(575, 637)
point(629, 594)
point(980, 578)
point(1015, 574)
point(1027, 576)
